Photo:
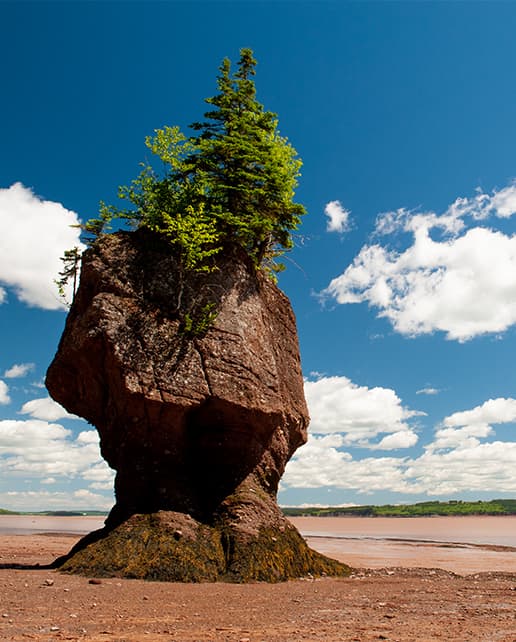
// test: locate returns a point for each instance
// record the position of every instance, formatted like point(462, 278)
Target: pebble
point(94, 581)
point(48, 582)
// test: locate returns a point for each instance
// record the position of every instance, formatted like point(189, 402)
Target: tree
point(71, 264)
point(230, 185)
point(249, 170)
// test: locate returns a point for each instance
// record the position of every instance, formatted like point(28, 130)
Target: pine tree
point(229, 185)
point(250, 171)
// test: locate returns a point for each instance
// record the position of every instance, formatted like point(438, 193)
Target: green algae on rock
point(173, 547)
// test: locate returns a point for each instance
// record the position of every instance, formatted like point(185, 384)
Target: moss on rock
point(276, 555)
point(161, 546)
point(173, 547)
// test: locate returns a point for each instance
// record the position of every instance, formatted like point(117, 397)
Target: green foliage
point(422, 509)
point(229, 186)
point(197, 324)
point(70, 273)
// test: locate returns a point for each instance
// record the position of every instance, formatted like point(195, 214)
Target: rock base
point(173, 547)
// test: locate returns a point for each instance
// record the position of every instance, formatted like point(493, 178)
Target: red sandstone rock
point(196, 425)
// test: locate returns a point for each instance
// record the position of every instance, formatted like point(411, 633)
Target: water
point(459, 544)
point(33, 524)
point(494, 530)
point(475, 529)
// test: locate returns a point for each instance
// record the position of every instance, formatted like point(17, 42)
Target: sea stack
point(198, 423)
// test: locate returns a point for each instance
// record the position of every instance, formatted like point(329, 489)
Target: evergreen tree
point(249, 170)
point(229, 185)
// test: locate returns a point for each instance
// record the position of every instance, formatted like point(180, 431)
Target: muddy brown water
point(470, 544)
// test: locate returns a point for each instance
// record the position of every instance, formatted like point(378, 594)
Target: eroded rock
point(198, 428)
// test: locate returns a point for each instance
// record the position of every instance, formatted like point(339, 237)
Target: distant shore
point(450, 508)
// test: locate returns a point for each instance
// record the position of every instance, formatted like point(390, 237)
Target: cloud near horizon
point(34, 235)
point(462, 284)
point(36, 449)
point(459, 459)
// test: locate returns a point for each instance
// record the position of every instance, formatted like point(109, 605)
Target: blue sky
point(403, 278)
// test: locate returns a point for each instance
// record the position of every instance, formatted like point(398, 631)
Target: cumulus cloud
point(463, 284)
point(320, 463)
point(428, 391)
point(459, 459)
point(338, 217)
point(34, 235)
point(360, 414)
point(493, 411)
point(45, 409)
point(35, 448)
point(463, 430)
point(4, 393)
point(18, 370)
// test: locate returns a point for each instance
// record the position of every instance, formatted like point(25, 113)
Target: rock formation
point(198, 426)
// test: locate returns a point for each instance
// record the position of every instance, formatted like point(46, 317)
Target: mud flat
point(402, 604)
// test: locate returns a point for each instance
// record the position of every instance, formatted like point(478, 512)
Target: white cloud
point(456, 461)
point(493, 411)
point(74, 500)
point(400, 439)
point(46, 409)
point(34, 235)
point(463, 430)
point(35, 448)
point(428, 391)
point(360, 414)
point(471, 467)
point(320, 463)
point(338, 217)
point(463, 285)
point(4, 393)
point(18, 370)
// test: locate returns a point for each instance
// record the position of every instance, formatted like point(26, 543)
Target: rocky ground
point(381, 604)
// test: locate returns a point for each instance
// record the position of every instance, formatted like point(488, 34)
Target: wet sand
point(404, 605)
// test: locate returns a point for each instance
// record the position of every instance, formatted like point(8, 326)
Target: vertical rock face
point(198, 426)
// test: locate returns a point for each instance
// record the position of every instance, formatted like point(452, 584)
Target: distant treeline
point(422, 509)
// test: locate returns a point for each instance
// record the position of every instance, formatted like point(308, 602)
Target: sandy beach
point(405, 598)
